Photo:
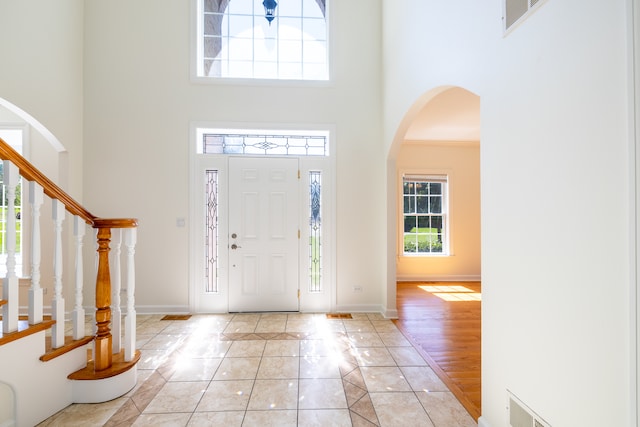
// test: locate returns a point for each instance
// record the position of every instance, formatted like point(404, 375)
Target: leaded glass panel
point(211, 227)
point(315, 231)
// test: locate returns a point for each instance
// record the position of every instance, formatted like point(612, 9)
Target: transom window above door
point(255, 39)
point(262, 142)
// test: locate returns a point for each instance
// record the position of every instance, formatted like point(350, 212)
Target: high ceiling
point(453, 115)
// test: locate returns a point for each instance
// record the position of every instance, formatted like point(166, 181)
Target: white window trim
point(447, 249)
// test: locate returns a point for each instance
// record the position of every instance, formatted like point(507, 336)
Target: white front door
point(263, 234)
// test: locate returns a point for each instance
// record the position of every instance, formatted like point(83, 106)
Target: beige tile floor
point(275, 370)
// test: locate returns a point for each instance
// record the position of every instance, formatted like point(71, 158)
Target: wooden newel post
point(103, 357)
point(103, 340)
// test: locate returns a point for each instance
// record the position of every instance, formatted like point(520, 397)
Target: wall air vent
point(520, 415)
point(515, 11)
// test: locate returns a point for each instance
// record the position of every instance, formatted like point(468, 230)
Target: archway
point(433, 184)
point(7, 405)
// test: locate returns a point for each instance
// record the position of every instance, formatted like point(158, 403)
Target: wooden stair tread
point(3, 302)
point(69, 344)
point(118, 367)
point(24, 330)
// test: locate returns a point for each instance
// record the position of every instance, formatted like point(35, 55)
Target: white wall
point(41, 77)
point(139, 103)
point(461, 161)
point(42, 71)
point(555, 181)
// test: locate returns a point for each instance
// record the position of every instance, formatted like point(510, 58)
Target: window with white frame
point(425, 215)
point(242, 39)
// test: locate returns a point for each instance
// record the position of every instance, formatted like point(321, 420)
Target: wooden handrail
point(31, 173)
point(102, 340)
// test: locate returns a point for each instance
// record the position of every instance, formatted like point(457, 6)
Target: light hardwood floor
point(447, 333)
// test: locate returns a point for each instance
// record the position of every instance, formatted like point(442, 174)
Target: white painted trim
point(106, 389)
point(482, 422)
point(50, 137)
point(359, 308)
point(325, 301)
point(633, 35)
point(162, 309)
point(389, 313)
point(439, 278)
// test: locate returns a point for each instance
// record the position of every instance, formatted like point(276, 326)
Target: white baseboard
point(359, 308)
point(162, 309)
point(482, 422)
point(389, 313)
point(444, 278)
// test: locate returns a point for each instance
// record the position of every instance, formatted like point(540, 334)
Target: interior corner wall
point(555, 185)
point(461, 161)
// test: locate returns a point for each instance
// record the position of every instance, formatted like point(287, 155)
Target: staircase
point(53, 355)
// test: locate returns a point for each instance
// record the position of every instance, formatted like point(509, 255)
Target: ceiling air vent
point(520, 415)
point(518, 10)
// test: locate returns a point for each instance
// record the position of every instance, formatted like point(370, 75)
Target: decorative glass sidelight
point(315, 231)
point(211, 227)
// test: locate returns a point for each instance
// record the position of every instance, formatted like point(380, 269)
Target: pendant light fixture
point(269, 9)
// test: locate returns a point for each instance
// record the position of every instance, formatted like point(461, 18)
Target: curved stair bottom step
point(107, 385)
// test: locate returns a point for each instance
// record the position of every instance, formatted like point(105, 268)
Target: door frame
point(324, 301)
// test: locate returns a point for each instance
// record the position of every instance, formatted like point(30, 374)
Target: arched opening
point(7, 405)
point(434, 238)
point(43, 149)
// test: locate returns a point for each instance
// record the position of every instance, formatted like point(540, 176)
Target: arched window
point(236, 40)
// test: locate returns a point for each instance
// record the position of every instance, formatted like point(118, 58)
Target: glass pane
point(212, 24)
point(240, 26)
point(211, 227)
point(422, 188)
point(292, 71)
point(409, 204)
point(436, 188)
point(314, 29)
point(409, 188)
point(435, 204)
point(289, 8)
point(410, 223)
point(315, 231)
point(315, 52)
point(243, 7)
point(424, 224)
point(210, 5)
point(436, 223)
point(266, 70)
point(291, 51)
point(422, 203)
point(240, 69)
point(311, 9)
point(410, 243)
point(241, 49)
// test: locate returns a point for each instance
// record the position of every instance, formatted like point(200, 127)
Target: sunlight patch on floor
point(452, 293)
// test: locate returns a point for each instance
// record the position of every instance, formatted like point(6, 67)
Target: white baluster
point(57, 309)
point(79, 228)
point(10, 282)
point(130, 318)
point(116, 311)
point(36, 199)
